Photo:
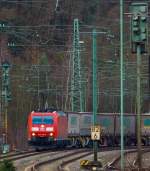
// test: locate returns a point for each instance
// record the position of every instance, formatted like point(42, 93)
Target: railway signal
point(6, 93)
point(4, 26)
point(6, 97)
point(135, 28)
point(139, 37)
point(139, 26)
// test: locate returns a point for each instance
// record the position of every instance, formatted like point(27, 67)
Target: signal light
point(135, 29)
point(6, 91)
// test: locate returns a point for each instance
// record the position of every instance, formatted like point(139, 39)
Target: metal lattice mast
point(76, 101)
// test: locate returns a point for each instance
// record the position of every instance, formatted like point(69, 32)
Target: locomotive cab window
point(42, 120)
point(37, 120)
point(48, 120)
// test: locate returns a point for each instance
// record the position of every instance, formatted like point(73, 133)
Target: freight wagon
point(79, 128)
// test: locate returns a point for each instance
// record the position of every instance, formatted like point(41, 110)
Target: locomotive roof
point(52, 109)
point(60, 113)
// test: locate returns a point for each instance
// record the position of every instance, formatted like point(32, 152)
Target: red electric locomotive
point(47, 128)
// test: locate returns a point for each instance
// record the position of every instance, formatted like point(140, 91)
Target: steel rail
point(40, 163)
point(115, 162)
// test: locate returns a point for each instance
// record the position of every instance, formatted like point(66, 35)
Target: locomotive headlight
point(33, 134)
point(51, 134)
point(35, 129)
point(49, 129)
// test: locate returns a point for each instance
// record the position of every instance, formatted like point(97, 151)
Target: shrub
point(7, 166)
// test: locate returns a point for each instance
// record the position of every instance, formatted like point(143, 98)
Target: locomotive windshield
point(48, 120)
point(42, 120)
point(37, 120)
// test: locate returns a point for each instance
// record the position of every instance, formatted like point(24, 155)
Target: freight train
point(56, 128)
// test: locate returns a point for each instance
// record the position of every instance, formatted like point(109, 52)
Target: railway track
point(25, 154)
point(62, 166)
point(62, 155)
point(75, 155)
point(82, 153)
point(20, 156)
point(11, 155)
point(67, 156)
point(130, 157)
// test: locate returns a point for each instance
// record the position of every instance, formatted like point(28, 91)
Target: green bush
point(7, 166)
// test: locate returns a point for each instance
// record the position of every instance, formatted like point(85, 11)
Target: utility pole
point(95, 129)
point(139, 39)
point(94, 90)
point(139, 105)
point(76, 101)
point(121, 81)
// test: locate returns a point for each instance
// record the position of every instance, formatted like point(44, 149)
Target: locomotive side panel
point(73, 124)
point(29, 127)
